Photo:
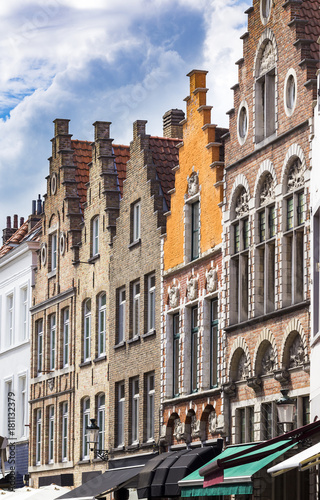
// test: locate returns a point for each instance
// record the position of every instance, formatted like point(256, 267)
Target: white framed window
point(65, 337)
point(243, 122)
point(39, 326)
point(245, 424)
point(38, 436)
point(85, 423)
point(136, 222)
point(265, 92)
point(24, 312)
point(150, 406)
point(53, 251)
point(176, 352)
point(87, 330)
point(65, 421)
point(95, 236)
point(101, 420)
point(120, 412)
point(135, 410)
point(195, 230)
point(151, 302)
point(136, 309)
point(102, 325)
point(121, 314)
point(23, 406)
point(290, 92)
point(10, 319)
point(269, 424)
point(214, 342)
point(50, 434)
point(194, 348)
point(52, 353)
point(265, 9)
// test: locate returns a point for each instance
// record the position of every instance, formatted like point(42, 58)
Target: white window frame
point(54, 243)
point(151, 302)
point(10, 319)
point(150, 405)
point(38, 436)
point(85, 423)
point(101, 406)
point(23, 405)
point(136, 309)
point(24, 308)
point(40, 337)
point(121, 409)
point(64, 433)
point(135, 410)
point(102, 325)
point(87, 330)
point(136, 221)
point(53, 340)
point(95, 236)
point(121, 315)
point(65, 337)
point(51, 434)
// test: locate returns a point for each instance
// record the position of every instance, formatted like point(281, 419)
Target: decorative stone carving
point(212, 279)
point(268, 59)
point(193, 184)
point(267, 190)
point(296, 353)
point(230, 389)
point(242, 205)
point(165, 435)
point(212, 421)
point(51, 384)
point(295, 176)
point(254, 383)
point(196, 430)
point(179, 430)
point(281, 375)
point(243, 368)
point(268, 361)
point(220, 423)
point(174, 294)
point(192, 288)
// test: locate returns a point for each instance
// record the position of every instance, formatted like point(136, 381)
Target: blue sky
point(112, 60)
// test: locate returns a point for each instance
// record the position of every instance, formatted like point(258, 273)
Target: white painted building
point(315, 272)
point(18, 260)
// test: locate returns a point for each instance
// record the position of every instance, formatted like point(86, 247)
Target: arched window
point(265, 92)
point(265, 248)
point(87, 330)
point(85, 423)
point(239, 250)
point(293, 220)
point(102, 325)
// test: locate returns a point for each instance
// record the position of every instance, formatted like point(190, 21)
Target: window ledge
point(121, 344)
point(133, 446)
point(52, 274)
point(135, 244)
point(94, 258)
point(100, 358)
point(150, 333)
point(136, 338)
point(84, 461)
point(148, 444)
point(85, 363)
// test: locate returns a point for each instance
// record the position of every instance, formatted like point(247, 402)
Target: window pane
point(176, 337)
point(194, 348)
point(246, 233)
point(272, 222)
point(237, 238)
point(300, 208)
point(195, 230)
point(290, 213)
point(262, 226)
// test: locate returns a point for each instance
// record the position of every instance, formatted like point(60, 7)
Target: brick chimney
point(171, 123)
point(37, 208)
point(9, 230)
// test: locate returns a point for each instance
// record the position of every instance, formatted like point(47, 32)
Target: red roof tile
point(122, 155)
point(310, 11)
point(20, 236)
point(165, 156)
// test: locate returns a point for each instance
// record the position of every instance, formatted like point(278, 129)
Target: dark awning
point(106, 482)
point(159, 478)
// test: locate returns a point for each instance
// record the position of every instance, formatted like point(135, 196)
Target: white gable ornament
point(193, 184)
point(174, 294)
point(212, 279)
point(192, 288)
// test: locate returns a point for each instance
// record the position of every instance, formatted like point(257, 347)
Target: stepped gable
point(165, 155)
point(122, 155)
point(310, 11)
point(82, 156)
point(22, 234)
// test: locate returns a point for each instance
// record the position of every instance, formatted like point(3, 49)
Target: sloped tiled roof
point(20, 236)
point(165, 156)
point(122, 155)
point(310, 11)
point(82, 155)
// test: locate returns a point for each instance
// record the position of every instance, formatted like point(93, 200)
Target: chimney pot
point(171, 123)
point(15, 221)
point(21, 221)
point(8, 222)
point(39, 205)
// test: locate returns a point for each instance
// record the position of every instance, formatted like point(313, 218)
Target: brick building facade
point(266, 220)
point(135, 288)
point(191, 347)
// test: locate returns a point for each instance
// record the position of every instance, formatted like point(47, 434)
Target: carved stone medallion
point(268, 362)
point(174, 296)
point(267, 190)
point(212, 421)
point(242, 205)
point(295, 176)
point(179, 430)
point(268, 59)
point(296, 353)
point(193, 184)
point(243, 368)
point(192, 288)
point(212, 280)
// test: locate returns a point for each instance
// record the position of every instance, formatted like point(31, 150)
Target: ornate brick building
point(192, 345)
point(266, 219)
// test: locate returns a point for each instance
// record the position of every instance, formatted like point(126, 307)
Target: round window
point(62, 243)
point(265, 8)
point(243, 124)
point(290, 92)
point(53, 183)
point(43, 254)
